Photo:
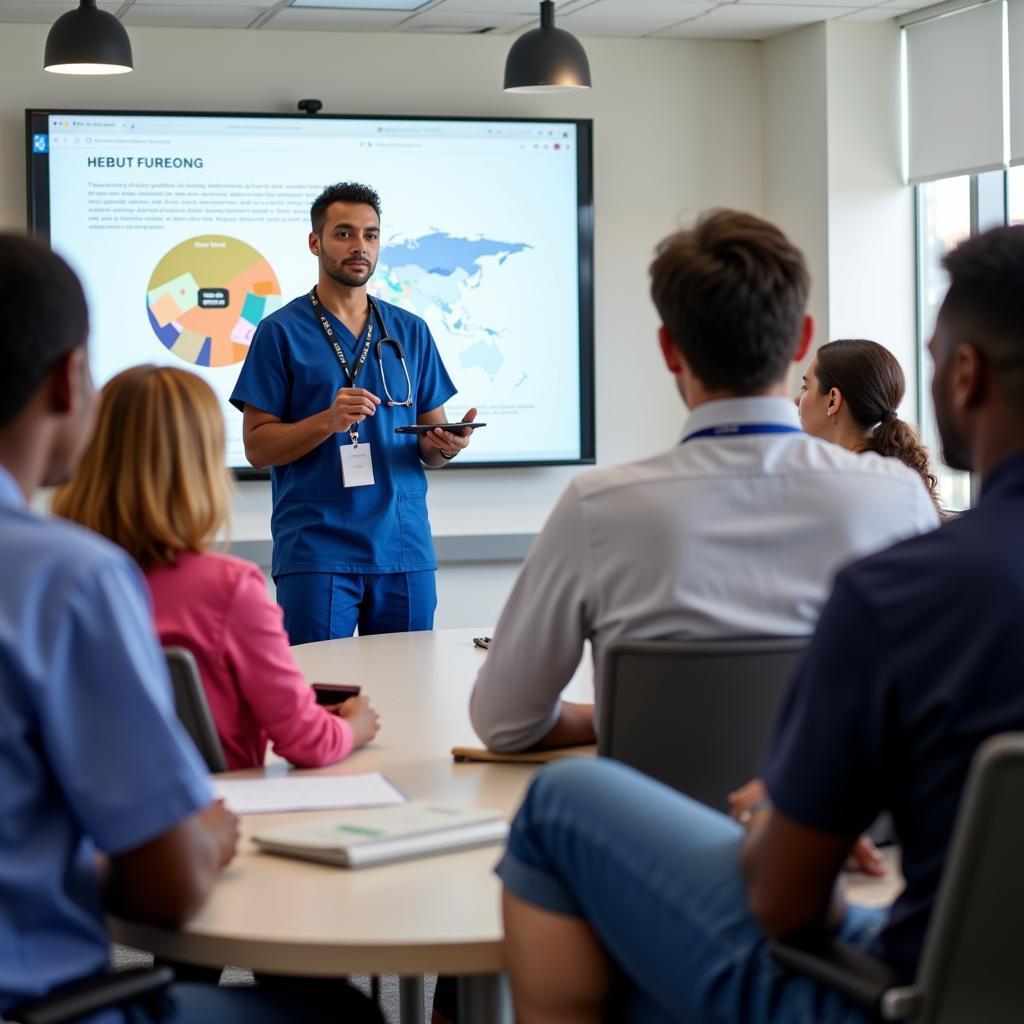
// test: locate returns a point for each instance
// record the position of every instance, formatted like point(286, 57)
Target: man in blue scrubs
point(322, 389)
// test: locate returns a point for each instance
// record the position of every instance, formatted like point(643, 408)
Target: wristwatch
point(761, 805)
point(447, 456)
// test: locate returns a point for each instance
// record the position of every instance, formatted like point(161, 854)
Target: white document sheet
point(306, 793)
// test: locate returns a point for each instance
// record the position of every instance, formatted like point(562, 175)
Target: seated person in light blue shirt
point(104, 802)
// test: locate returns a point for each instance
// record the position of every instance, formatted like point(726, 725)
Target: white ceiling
point(704, 19)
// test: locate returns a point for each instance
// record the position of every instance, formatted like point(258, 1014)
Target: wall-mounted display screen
point(187, 229)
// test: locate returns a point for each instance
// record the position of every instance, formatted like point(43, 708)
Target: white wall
point(796, 153)
point(870, 211)
point(677, 128)
point(833, 180)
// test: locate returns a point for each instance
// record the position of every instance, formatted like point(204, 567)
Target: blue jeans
point(657, 877)
point(323, 606)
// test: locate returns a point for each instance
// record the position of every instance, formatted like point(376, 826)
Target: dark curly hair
point(343, 192)
point(872, 384)
point(986, 298)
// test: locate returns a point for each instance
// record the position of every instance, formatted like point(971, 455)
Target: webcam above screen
point(187, 229)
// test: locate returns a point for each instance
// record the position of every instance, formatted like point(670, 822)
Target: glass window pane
point(1015, 195)
point(944, 219)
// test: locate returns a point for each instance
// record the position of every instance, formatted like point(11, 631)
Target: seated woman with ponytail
point(153, 480)
point(850, 395)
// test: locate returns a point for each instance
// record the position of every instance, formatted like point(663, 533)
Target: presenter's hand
point(351, 406)
point(446, 441)
point(222, 825)
point(362, 716)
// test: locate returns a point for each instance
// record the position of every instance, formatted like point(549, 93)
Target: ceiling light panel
point(364, 5)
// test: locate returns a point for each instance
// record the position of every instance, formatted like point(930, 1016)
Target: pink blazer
point(218, 607)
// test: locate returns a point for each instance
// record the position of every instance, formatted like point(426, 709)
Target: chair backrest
point(697, 715)
point(971, 963)
point(193, 710)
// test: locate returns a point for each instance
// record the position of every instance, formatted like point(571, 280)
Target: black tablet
point(426, 428)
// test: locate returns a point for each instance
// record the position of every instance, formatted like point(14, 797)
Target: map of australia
point(437, 272)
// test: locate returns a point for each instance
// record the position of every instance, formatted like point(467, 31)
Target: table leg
point(485, 999)
point(410, 1000)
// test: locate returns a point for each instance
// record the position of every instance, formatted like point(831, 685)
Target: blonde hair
point(152, 478)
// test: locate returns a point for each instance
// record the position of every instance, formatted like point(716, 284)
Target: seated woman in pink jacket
point(153, 481)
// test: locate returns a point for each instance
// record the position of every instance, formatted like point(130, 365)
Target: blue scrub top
point(318, 525)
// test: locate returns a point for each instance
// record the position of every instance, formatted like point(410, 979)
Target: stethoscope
point(386, 339)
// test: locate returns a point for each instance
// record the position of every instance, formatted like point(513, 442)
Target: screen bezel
point(37, 179)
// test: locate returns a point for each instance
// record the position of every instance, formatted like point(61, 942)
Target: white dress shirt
point(723, 536)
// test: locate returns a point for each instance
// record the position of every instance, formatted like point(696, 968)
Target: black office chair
point(194, 712)
point(83, 998)
point(697, 715)
point(970, 970)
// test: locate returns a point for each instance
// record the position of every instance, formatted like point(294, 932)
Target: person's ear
point(835, 402)
point(314, 243)
point(670, 352)
point(806, 334)
point(968, 378)
point(63, 382)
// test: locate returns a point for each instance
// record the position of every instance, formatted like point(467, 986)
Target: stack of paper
point(306, 793)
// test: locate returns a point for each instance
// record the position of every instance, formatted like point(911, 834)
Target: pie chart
point(206, 297)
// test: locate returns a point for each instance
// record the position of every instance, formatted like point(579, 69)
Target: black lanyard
point(352, 375)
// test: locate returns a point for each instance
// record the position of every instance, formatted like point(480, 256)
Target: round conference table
point(436, 914)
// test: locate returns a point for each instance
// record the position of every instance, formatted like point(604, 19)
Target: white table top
point(435, 914)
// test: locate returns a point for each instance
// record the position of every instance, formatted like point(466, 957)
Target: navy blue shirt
point(318, 525)
point(918, 658)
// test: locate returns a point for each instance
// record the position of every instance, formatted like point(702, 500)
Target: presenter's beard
point(349, 276)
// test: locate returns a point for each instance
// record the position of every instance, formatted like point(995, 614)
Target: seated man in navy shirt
point(104, 802)
point(619, 890)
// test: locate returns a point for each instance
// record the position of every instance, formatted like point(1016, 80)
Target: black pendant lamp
point(87, 41)
point(546, 59)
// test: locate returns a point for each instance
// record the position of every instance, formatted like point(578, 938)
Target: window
point(943, 220)
point(948, 211)
point(1015, 195)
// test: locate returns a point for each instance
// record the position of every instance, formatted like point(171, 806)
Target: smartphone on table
point(335, 693)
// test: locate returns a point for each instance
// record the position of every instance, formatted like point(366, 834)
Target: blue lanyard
point(736, 429)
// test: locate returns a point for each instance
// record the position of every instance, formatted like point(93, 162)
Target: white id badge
point(356, 465)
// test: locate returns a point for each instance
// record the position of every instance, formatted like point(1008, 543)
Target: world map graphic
point(436, 273)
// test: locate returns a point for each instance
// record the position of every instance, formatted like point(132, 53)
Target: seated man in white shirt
point(736, 531)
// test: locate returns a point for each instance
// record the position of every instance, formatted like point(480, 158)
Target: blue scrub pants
point(323, 606)
point(657, 876)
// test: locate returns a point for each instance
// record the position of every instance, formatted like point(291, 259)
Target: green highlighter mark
point(370, 833)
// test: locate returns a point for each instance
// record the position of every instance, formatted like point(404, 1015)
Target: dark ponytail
point(872, 385)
